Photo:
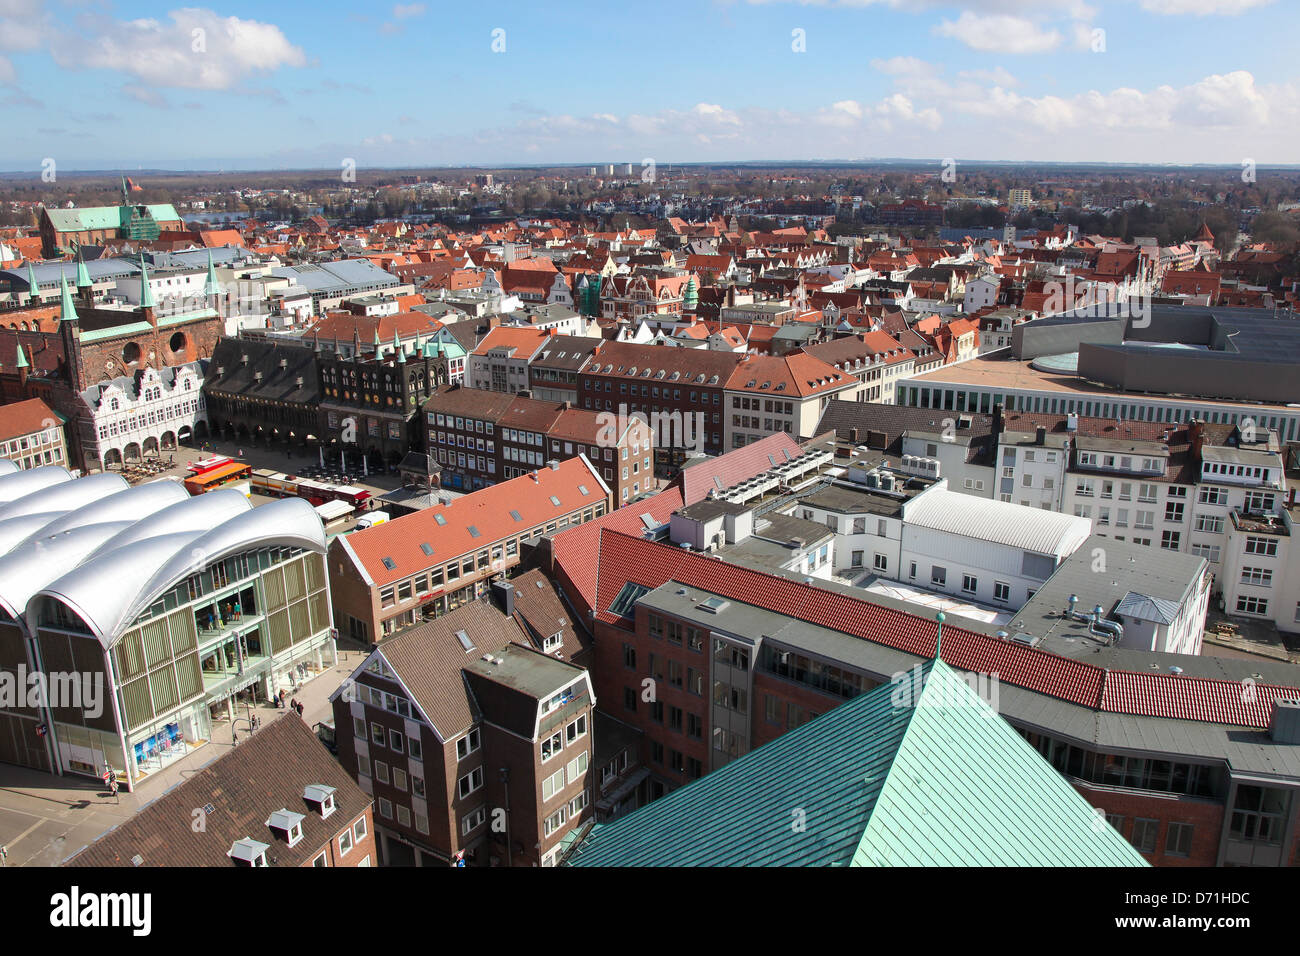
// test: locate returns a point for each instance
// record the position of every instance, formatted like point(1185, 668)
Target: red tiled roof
point(573, 551)
point(622, 558)
point(23, 418)
point(740, 464)
point(486, 510)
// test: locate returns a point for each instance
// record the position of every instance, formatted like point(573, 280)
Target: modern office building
point(146, 612)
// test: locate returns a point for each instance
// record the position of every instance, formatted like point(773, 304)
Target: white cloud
point(405, 11)
point(1202, 8)
point(224, 51)
point(8, 75)
point(999, 33)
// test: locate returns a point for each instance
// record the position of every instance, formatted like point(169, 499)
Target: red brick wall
point(1206, 817)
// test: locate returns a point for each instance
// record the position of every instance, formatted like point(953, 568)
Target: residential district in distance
point(759, 516)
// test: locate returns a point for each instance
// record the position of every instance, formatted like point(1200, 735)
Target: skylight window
point(473, 532)
point(440, 519)
point(426, 547)
point(713, 604)
point(627, 598)
point(390, 564)
point(583, 490)
point(465, 642)
point(555, 501)
point(516, 515)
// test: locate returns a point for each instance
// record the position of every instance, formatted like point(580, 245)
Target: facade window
point(1144, 834)
point(469, 783)
point(1178, 839)
point(467, 744)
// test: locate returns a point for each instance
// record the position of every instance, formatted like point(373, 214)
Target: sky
point(93, 84)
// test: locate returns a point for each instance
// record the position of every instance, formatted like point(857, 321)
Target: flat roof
point(1007, 372)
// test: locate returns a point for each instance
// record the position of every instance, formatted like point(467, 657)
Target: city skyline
point(1110, 81)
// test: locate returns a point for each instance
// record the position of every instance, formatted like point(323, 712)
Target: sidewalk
point(46, 818)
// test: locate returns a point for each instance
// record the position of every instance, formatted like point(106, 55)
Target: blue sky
point(94, 84)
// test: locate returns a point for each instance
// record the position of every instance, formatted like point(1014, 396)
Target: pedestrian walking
point(300, 709)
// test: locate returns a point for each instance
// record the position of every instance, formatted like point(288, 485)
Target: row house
point(786, 393)
point(473, 743)
point(389, 576)
point(501, 360)
point(629, 297)
point(482, 437)
point(31, 435)
point(679, 391)
point(875, 359)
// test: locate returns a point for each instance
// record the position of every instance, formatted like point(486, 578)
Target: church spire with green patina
point(67, 311)
point(83, 274)
point(146, 292)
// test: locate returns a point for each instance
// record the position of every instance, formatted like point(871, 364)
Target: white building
point(144, 414)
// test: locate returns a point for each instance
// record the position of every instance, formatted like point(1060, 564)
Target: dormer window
point(287, 823)
point(320, 795)
point(248, 852)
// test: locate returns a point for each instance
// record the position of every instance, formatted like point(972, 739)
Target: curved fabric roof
point(64, 496)
point(30, 567)
point(128, 505)
point(187, 516)
point(32, 563)
point(20, 483)
point(112, 587)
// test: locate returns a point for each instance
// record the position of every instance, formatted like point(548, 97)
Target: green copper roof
point(22, 358)
point(210, 285)
point(398, 350)
point(83, 274)
point(146, 293)
point(110, 217)
point(67, 311)
point(690, 297)
point(878, 781)
point(33, 287)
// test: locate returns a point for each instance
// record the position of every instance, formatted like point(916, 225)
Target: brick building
point(471, 740)
point(481, 437)
point(93, 345)
point(680, 391)
point(1186, 766)
point(387, 577)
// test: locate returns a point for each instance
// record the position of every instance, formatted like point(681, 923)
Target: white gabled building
point(143, 414)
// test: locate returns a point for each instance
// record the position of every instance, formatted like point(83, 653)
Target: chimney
point(553, 465)
point(505, 594)
point(1040, 435)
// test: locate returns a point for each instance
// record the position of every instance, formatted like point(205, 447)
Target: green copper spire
point(22, 358)
point(83, 274)
point(210, 287)
point(32, 287)
point(401, 352)
point(938, 640)
point(690, 296)
point(146, 293)
point(67, 312)
point(379, 346)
